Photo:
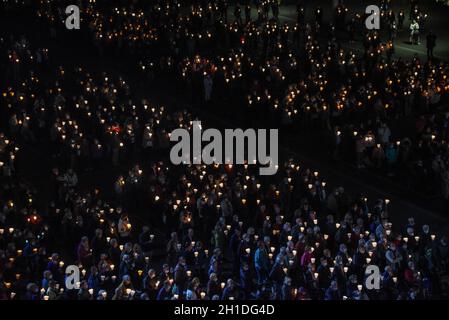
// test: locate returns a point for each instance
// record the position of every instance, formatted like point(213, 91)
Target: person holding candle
point(192, 292)
point(84, 253)
point(151, 284)
point(231, 291)
point(180, 277)
point(165, 291)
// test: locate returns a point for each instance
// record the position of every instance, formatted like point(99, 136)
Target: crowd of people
point(295, 74)
point(217, 232)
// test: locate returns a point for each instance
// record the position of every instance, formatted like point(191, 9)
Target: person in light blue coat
point(261, 263)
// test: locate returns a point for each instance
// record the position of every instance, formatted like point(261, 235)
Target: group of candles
point(213, 179)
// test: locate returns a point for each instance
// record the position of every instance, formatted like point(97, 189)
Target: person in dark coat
point(430, 44)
